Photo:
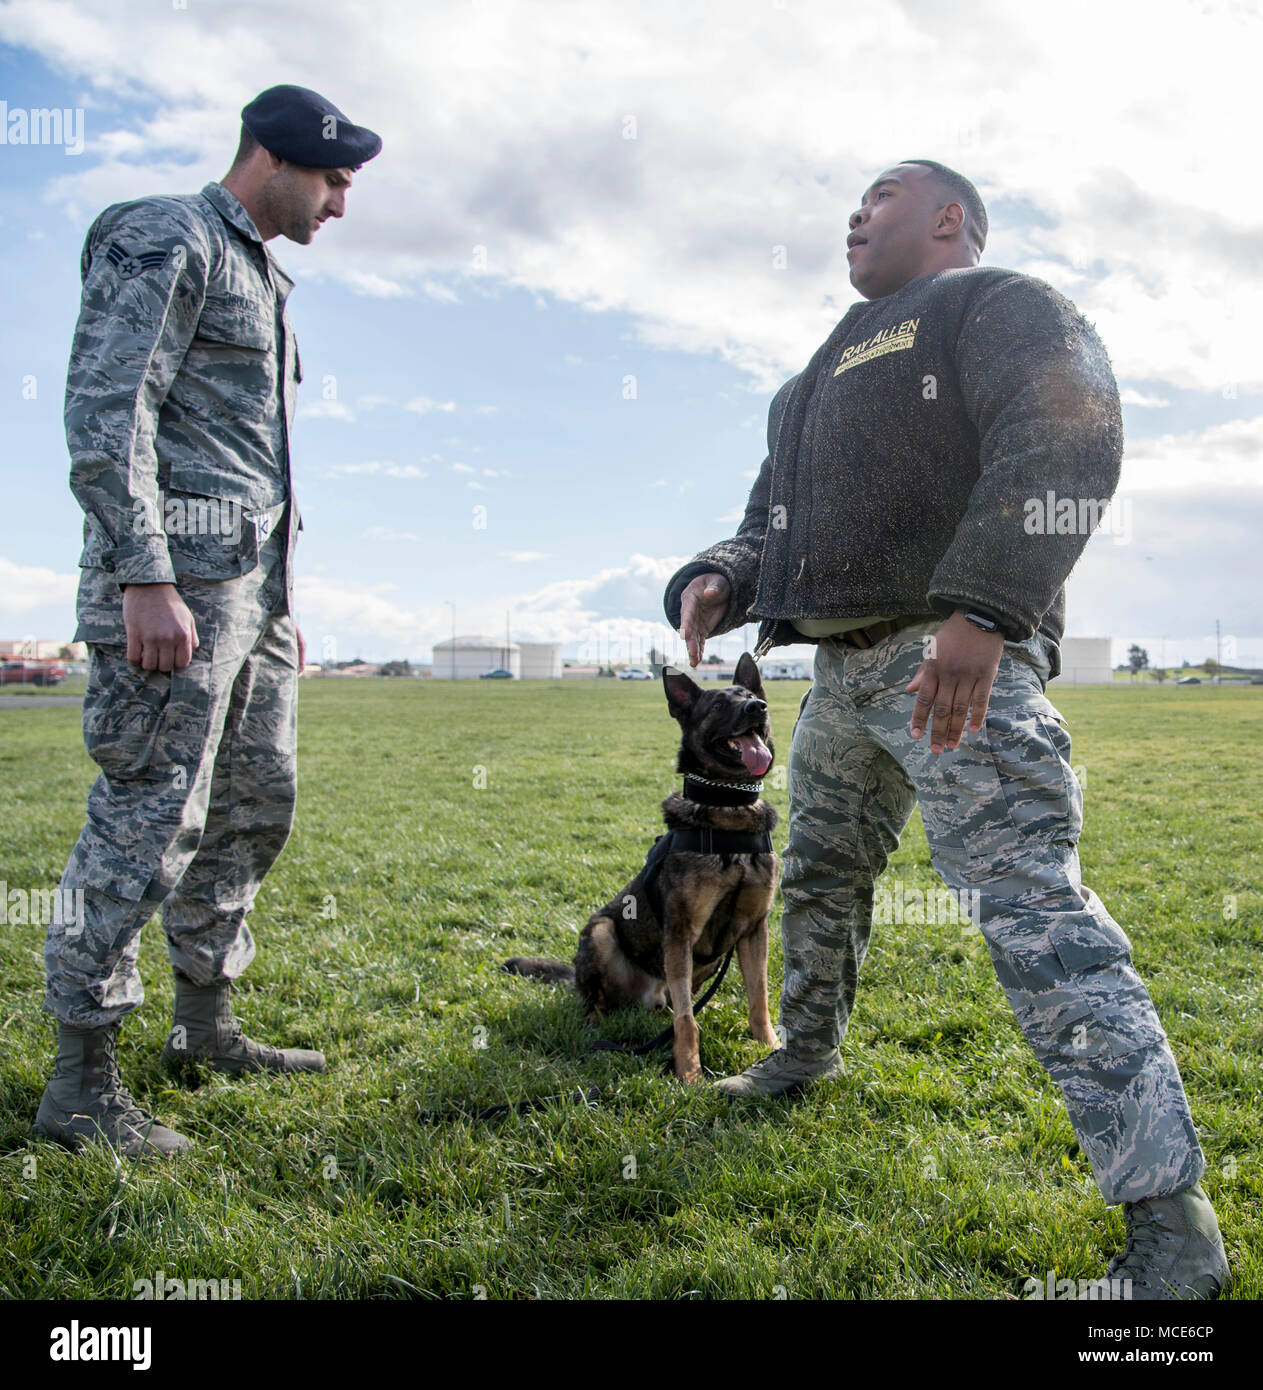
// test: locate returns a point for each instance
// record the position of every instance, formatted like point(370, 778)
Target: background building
point(1086, 661)
point(775, 670)
point(541, 661)
point(467, 658)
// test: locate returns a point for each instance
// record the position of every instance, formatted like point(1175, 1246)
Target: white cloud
point(436, 290)
point(326, 410)
point(387, 533)
point(355, 469)
point(376, 286)
point(1181, 544)
point(525, 557)
point(374, 467)
point(1220, 457)
point(605, 605)
point(505, 125)
point(27, 588)
point(1178, 545)
point(506, 128)
point(461, 468)
point(576, 609)
point(329, 607)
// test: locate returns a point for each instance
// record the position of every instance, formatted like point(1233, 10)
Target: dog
point(708, 884)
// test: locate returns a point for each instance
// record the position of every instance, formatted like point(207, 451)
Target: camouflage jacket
point(179, 398)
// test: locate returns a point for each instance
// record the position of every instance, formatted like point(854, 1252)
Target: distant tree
point(1210, 665)
point(713, 660)
point(396, 668)
point(1137, 659)
point(66, 654)
point(1184, 662)
point(1159, 673)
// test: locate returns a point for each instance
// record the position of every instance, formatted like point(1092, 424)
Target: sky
point(599, 236)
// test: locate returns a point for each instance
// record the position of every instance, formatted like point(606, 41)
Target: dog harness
point(704, 839)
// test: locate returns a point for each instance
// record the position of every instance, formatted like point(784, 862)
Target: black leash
point(514, 1107)
point(668, 1033)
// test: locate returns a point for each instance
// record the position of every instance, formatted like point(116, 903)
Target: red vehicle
point(16, 671)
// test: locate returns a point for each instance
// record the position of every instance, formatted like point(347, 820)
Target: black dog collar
point(708, 793)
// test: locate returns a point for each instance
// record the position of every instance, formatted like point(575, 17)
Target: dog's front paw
point(686, 1055)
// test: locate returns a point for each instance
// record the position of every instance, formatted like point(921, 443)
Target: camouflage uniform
point(1002, 814)
point(179, 401)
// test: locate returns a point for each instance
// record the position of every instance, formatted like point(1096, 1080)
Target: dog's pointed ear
point(747, 675)
point(681, 691)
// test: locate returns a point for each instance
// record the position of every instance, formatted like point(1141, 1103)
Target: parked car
point(32, 673)
point(499, 674)
point(1189, 680)
point(634, 673)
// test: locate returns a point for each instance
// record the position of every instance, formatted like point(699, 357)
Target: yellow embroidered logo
point(884, 341)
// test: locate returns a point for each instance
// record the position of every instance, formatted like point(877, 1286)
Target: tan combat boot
point(86, 1101)
point(1174, 1249)
point(204, 1030)
point(780, 1073)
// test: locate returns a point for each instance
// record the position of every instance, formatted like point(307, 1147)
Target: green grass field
point(71, 686)
point(941, 1164)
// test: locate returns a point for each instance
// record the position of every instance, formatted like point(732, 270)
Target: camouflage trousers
point(1002, 815)
point(194, 801)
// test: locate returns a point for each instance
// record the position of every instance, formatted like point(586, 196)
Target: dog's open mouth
point(753, 752)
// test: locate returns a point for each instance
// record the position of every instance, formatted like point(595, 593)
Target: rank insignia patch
point(129, 266)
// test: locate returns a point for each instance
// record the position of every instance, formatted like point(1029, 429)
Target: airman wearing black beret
point(180, 396)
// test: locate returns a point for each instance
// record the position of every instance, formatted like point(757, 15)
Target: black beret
point(298, 124)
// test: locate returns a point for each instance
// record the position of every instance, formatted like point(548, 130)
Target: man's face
point(891, 233)
point(297, 199)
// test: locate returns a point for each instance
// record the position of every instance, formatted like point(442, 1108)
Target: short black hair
point(957, 189)
point(245, 147)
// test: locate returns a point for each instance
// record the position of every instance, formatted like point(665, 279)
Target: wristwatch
point(985, 624)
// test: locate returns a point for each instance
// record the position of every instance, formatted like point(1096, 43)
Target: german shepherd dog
point(708, 884)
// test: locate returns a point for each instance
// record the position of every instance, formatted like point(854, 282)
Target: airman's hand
point(957, 677)
point(161, 632)
point(702, 605)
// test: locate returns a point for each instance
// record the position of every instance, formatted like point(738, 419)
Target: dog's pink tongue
point(754, 754)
